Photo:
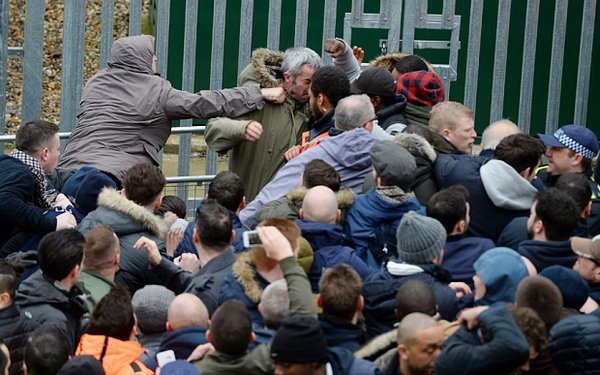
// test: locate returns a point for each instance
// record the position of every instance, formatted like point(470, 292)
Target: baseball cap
point(374, 81)
point(587, 248)
point(576, 138)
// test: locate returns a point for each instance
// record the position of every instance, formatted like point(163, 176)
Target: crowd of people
point(386, 246)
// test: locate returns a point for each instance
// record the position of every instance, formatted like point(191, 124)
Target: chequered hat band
point(573, 145)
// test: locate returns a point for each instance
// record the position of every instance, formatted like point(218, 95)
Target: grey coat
point(125, 111)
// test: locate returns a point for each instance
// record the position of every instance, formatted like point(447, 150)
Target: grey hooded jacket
point(125, 111)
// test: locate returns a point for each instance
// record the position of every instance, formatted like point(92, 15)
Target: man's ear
point(360, 304)
point(596, 276)
point(252, 337)
point(320, 100)
point(587, 211)
point(195, 236)
point(460, 226)
point(445, 132)
point(301, 214)
point(243, 203)
point(260, 307)
point(5, 300)
point(338, 216)
point(208, 335)
point(43, 155)
point(168, 326)
point(526, 173)
point(320, 300)
point(287, 78)
point(403, 352)
point(232, 237)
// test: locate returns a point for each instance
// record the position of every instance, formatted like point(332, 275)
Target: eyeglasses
point(371, 120)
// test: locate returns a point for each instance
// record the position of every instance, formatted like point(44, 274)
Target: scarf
point(39, 193)
point(394, 194)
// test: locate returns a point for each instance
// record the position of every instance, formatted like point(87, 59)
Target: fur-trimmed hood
point(245, 274)
point(263, 64)
point(345, 197)
point(113, 200)
point(415, 144)
point(389, 60)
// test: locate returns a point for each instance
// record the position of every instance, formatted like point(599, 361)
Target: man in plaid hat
point(570, 150)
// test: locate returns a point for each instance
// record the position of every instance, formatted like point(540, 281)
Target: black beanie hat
point(299, 339)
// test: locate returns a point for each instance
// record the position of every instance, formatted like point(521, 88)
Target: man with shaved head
point(186, 328)
point(494, 133)
point(319, 216)
point(420, 341)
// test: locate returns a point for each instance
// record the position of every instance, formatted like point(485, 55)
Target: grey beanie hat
point(420, 238)
point(151, 307)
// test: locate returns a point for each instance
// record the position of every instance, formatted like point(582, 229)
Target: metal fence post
point(585, 62)
point(500, 56)
point(528, 67)
point(32, 61)
point(72, 66)
point(301, 26)
point(3, 64)
point(273, 31)
point(106, 36)
point(135, 17)
point(556, 65)
point(473, 51)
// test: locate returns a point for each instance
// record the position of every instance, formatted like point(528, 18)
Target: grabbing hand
point(188, 262)
point(151, 248)
point(460, 288)
point(65, 221)
point(276, 246)
point(61, 200)
point(253, 131)
point(471, 316)
point(201, 351)
point(172, 240)
point(292, 152)
point(359, 54)
point(334, 47)
point(273, 94)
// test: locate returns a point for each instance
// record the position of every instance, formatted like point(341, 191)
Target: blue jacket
point(181, 342)
point(342, 361)
point(487, 219)
point(348, 153)
point(187, 243)
point(371, 225)
point(547, 253)
point(326, 241)
point(379, 292)
point(460, 253)
point(516, 232)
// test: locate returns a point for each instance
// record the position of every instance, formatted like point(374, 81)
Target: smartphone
point(165, 357)
point(251, 239)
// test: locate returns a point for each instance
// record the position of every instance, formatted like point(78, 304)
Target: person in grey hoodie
point(500, 189)
point(126, 110)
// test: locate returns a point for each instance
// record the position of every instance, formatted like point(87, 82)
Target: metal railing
point(401, 18)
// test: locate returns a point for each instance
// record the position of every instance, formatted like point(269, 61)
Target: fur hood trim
point(378, 344)
point(388, 61)
point(414, 143)
point(112, 199)
point(345, 197)
point(262, 60)
point(244, 273)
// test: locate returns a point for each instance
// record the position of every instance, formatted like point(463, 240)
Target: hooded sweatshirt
point(501, 270)
point(125, 111)
point(348, 153)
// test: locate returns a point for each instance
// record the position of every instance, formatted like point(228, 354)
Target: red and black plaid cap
point(422, 88)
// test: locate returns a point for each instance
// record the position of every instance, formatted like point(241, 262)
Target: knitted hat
point(394, 164)
point(576, 138)
point(299, 339)
point(575, 291)
point(422, 88)
point(420, 238)
point(151, 305)
point(374, 81)
point(83, 187)
point(82, 365)
point(179, 367)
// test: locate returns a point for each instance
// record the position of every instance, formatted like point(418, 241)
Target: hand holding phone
point(251, 239)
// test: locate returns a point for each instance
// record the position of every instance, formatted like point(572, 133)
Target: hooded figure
point(126, 111)
point(500, 270)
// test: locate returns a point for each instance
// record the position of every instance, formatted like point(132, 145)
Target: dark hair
point(543, 296)
point(60, 251)
point(113, 315)
point(414, 296)
point(520, 151)
point(559, 213)
point(34, 135)
point(99, 250)
point(449, 206)
point(4, 358)
point(531, 325)
point(8, 279)
point(231, 328)
point(214, 227)
point(143, 183)
point(410, 63)
point(577, 186)
point(332, 82)
point(340, 288)
point(174, 204)
point(226, 189)
point(317, 172)
point(46, 351)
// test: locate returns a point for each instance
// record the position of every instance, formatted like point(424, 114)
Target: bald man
point(420, 341)
point(319, 216)
point(187, 321)
point(494, 133)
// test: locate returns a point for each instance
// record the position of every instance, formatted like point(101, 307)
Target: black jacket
point(341, 333)
point(206, 283)
point(39, 297)
point(17, 211)
point(573, 344)
point(466, 353)
point(15, 328)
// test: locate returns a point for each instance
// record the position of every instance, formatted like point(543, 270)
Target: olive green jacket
point(257, 162)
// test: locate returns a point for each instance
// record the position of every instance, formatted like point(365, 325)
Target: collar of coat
point(245, 274)
point(264, 61)
point(345, 197)
point(112, 199)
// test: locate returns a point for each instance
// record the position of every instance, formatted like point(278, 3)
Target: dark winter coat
point(342, 333)
point(460, 253)
point(181, 342)
point(573, 344)
point(15, 329)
